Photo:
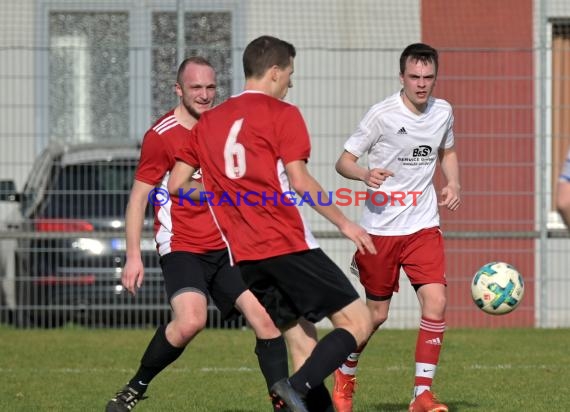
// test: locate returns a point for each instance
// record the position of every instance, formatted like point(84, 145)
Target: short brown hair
point(265, 52)
point(419, 52)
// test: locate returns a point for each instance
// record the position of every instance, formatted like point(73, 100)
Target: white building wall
point(17, 97)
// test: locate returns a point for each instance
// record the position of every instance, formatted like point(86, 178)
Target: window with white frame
point(88, 69)
point(207, 34)
point(93, 88)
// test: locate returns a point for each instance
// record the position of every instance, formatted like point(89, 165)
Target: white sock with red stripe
point(350, 365)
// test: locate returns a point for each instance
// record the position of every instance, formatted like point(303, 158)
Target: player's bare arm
point(563, 202)
point(180, 177)
point(302, 182)
point(450, 194)
point(133, 272)
point(194, 184)
point(347, 166)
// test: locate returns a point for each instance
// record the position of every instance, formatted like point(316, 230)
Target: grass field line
point(217, 369)
point(511, 366)
point(125, 370)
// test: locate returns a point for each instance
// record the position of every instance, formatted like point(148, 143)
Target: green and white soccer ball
point(497, 288)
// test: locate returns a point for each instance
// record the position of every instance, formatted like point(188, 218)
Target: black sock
point(319, 399)
point(158, 355)
point(272, 358)
point(329, 354)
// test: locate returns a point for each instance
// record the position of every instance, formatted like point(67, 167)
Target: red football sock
point(428, 347)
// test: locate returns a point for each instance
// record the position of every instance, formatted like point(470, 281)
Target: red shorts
point(420, 254)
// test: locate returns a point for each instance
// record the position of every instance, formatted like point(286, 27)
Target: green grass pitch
point(74, 369)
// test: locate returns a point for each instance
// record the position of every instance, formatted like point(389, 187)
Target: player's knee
point(362, 334)
point(186, 330)
point(435, 306)
point(378, 319)
point(356, 319)
point(362, 326)
point(264, 328)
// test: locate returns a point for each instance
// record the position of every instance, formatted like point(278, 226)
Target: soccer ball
point(497, 288)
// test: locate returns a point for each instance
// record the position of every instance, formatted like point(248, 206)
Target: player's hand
point(359, 236)
point(375, 177)
point(133, 275)
point(450, 197)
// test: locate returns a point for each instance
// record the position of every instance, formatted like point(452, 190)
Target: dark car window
point(94, 190)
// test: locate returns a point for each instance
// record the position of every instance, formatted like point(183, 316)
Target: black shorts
point(207, 273)
point(304, 284)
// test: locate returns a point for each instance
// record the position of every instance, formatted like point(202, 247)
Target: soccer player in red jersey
point(194, 258)
point(257, 144)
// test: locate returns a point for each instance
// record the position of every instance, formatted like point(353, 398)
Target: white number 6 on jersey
point(234, 153)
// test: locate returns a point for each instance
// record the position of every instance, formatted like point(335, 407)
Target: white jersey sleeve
point(366, 134)
point(448, 140)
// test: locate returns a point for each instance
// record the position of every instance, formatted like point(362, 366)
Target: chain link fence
point(96, 74)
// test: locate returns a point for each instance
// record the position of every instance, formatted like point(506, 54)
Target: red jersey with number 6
point(178, 226)
point(242, 147)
